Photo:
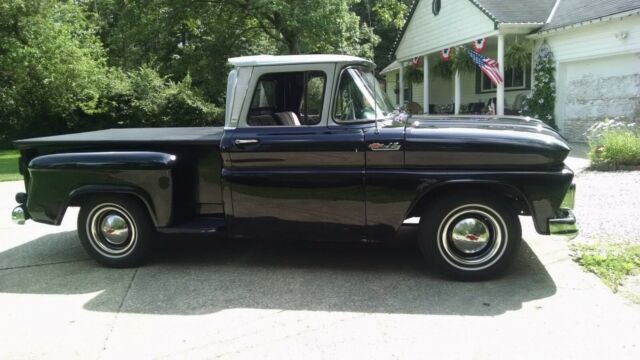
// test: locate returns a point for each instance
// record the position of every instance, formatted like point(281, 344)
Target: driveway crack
point(115, 319)
point(43, 264)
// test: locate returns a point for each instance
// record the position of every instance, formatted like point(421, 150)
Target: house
point(595, 44)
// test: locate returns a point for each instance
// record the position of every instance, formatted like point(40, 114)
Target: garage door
point(592, 90)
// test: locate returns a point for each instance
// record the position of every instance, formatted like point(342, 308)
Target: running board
point(199, 225)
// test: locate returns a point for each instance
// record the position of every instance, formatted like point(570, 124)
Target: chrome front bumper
point(19, 214)
point(565, 224)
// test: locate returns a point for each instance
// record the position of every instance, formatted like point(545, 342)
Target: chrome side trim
point(565, 225)
point(391, 146)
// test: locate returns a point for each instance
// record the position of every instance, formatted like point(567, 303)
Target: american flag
point(488, 66)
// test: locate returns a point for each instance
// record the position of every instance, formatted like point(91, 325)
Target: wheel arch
point(512, 195)
point(80, 194)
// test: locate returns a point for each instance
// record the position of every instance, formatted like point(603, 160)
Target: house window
point(514, 79)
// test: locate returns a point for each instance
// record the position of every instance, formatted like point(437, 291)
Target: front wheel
point(115, 230)
point(470, 237)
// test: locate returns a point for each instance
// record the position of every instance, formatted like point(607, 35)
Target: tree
point(51, 62)
point(70, 65)
point(386, 18)
point(310, 26)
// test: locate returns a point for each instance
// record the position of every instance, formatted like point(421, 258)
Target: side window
point(287, 99)
point(313, 98)
point(360, 97)
point(354, 101)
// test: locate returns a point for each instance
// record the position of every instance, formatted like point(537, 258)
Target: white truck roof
point(259, 60)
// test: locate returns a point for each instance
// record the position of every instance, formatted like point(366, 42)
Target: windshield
point(360, 97)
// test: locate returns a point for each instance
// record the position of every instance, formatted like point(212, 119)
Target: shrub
point(614, 143)
point(144, 98)
point(540, 102)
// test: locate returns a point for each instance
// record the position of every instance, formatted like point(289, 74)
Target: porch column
point(500, 89)
point(456, 96)
point(401, 85)
point(425, 84)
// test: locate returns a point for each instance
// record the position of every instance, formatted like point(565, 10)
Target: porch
point(463, 92)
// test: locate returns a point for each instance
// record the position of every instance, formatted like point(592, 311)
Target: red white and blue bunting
point(445, 54)
point(479, 45)
point(416, 62)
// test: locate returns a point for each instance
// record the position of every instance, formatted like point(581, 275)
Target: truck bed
point(182, 135)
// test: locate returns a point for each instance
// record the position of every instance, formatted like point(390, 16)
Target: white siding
point(416, 94)
point(598, 74)
point(391, 85)
point(459, 22)
point(440, 90)
point(596, 40)
point(416, 90)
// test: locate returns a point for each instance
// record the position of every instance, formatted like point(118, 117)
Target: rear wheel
point(115, 230)
point(470, 236)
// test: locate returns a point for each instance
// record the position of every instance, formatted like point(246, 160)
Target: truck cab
point(307, 120)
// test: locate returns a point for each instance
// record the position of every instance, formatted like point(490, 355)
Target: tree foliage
point(50, 64)
point(68, 65)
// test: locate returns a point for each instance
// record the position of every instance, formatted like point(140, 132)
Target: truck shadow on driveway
point(196, 276)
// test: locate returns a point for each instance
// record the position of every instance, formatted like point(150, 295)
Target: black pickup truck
point(310, 150)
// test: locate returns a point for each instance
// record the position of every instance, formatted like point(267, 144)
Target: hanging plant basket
point(461, 61)
point(442, 69)
point(413, 75)
point(518, 55)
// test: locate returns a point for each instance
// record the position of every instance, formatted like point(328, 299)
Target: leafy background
point(90, 64)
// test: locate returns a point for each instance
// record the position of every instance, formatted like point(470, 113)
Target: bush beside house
point(614, 144)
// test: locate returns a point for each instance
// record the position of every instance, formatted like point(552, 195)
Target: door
point(291, 176)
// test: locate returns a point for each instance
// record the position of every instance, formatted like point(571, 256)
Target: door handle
point(246, 141)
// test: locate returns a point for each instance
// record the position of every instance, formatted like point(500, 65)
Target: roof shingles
point(571, 12)
point(568, 12)
point(516, 11)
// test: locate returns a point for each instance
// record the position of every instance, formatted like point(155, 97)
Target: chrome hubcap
point(115, 229)
point(111, 230)
point(472, 237)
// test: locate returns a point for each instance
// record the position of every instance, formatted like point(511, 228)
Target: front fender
point(535, 193)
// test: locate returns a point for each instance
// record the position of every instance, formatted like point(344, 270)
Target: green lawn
point(9, 165)
point(611, 262)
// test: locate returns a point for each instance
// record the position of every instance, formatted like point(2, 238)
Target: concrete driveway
point(248, 300)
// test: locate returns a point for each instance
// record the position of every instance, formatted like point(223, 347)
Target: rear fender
point(61, 180)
